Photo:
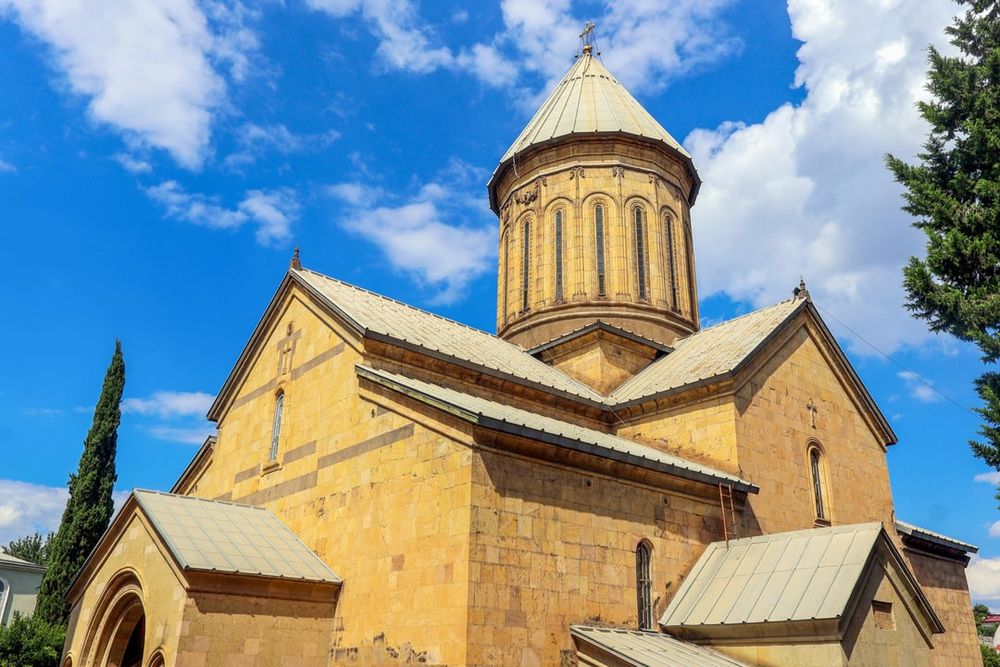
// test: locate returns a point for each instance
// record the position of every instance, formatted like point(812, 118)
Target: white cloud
point(919, 387)
point(805, 192)
point(988, 477)
point(255, 139)
point(133, 164)
point(994, 529)
point(170, 404)
point(984, 579)
point(44, 412)
point(26, 508)
point(272, 211)
point(404, 43)
point(146, 68)
point(7, 168)
point(194, 435)
point(425, 236)
point(646, 42)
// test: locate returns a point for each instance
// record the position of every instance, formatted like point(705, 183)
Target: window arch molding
point(668, 229)
point(644, 584)
point(600, 215)
point(816, 466)
point(638, 224)
point(558, 224)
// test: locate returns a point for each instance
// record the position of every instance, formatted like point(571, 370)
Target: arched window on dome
point(644, 585)
point(599, 240)
point(505, 242)
point(641, 270)
point(668, 233)
point(525, 265)
point(279, 407)
point(559, 254)
point(820, 499)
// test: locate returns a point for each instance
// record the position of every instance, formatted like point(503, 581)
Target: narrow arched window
point(506, 273)
point(668, 232)
point(279, 406)
point(644, 586)
point(640, 253)
point(815, 468)
point(525, 265)
point(599, 238)
point(559, 254)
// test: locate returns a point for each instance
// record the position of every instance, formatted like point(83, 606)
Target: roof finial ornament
point(801, 292)
point(295, 263)
point(588, 38)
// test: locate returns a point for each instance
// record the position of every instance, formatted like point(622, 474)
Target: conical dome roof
point(590, 100)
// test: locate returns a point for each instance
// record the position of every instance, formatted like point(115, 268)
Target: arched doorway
point(117, 636)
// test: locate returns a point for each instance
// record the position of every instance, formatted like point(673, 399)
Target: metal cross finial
point(587, 38)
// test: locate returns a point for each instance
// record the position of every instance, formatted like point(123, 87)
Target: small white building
point(19, 583)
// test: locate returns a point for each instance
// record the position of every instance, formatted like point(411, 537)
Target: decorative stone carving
point(528, 195)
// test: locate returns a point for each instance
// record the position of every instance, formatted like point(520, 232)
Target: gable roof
point(599, 325)
point(709, 353)
point(649, 649)
point(380, 317)
point(803, 575)
point(215, 536)
point(515, 421)
point(705, 356)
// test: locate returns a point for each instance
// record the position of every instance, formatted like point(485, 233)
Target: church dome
point(593, 199)
point(589, 100)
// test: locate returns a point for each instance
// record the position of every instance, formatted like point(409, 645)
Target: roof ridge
point(755, 311)
point(407, 305)
point(185, 496)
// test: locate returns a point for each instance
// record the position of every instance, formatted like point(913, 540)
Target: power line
point(886, 356)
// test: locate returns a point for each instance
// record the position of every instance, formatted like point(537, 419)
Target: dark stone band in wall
point(299, 452)
point(366, 446)
point(287, 488)
point(244, 475)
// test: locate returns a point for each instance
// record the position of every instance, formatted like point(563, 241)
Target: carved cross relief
point(813, 411)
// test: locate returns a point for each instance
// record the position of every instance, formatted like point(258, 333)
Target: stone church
point(603, 482)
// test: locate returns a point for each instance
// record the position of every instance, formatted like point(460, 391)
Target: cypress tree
point(954, 194)
point(90, 505)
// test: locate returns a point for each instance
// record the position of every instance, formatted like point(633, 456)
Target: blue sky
point(160, 160)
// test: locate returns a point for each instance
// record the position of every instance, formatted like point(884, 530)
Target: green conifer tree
point(954, 193)
point(90, 505)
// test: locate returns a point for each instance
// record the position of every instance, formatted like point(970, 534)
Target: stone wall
point(380, 497)
point(552, 546)
point(776, 425)
point(135, 554)
point(945, 585)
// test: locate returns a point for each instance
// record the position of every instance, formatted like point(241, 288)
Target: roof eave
point(509, 428)
point(680, 155)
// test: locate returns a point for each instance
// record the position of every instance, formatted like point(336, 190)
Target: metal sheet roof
point(507, 418)
point(708, 353)
point(396, 320)
point(590, 100)
point(215, 536)
point(916, 531)
point(14, 563)
point(651, 649)
point(794, 576)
